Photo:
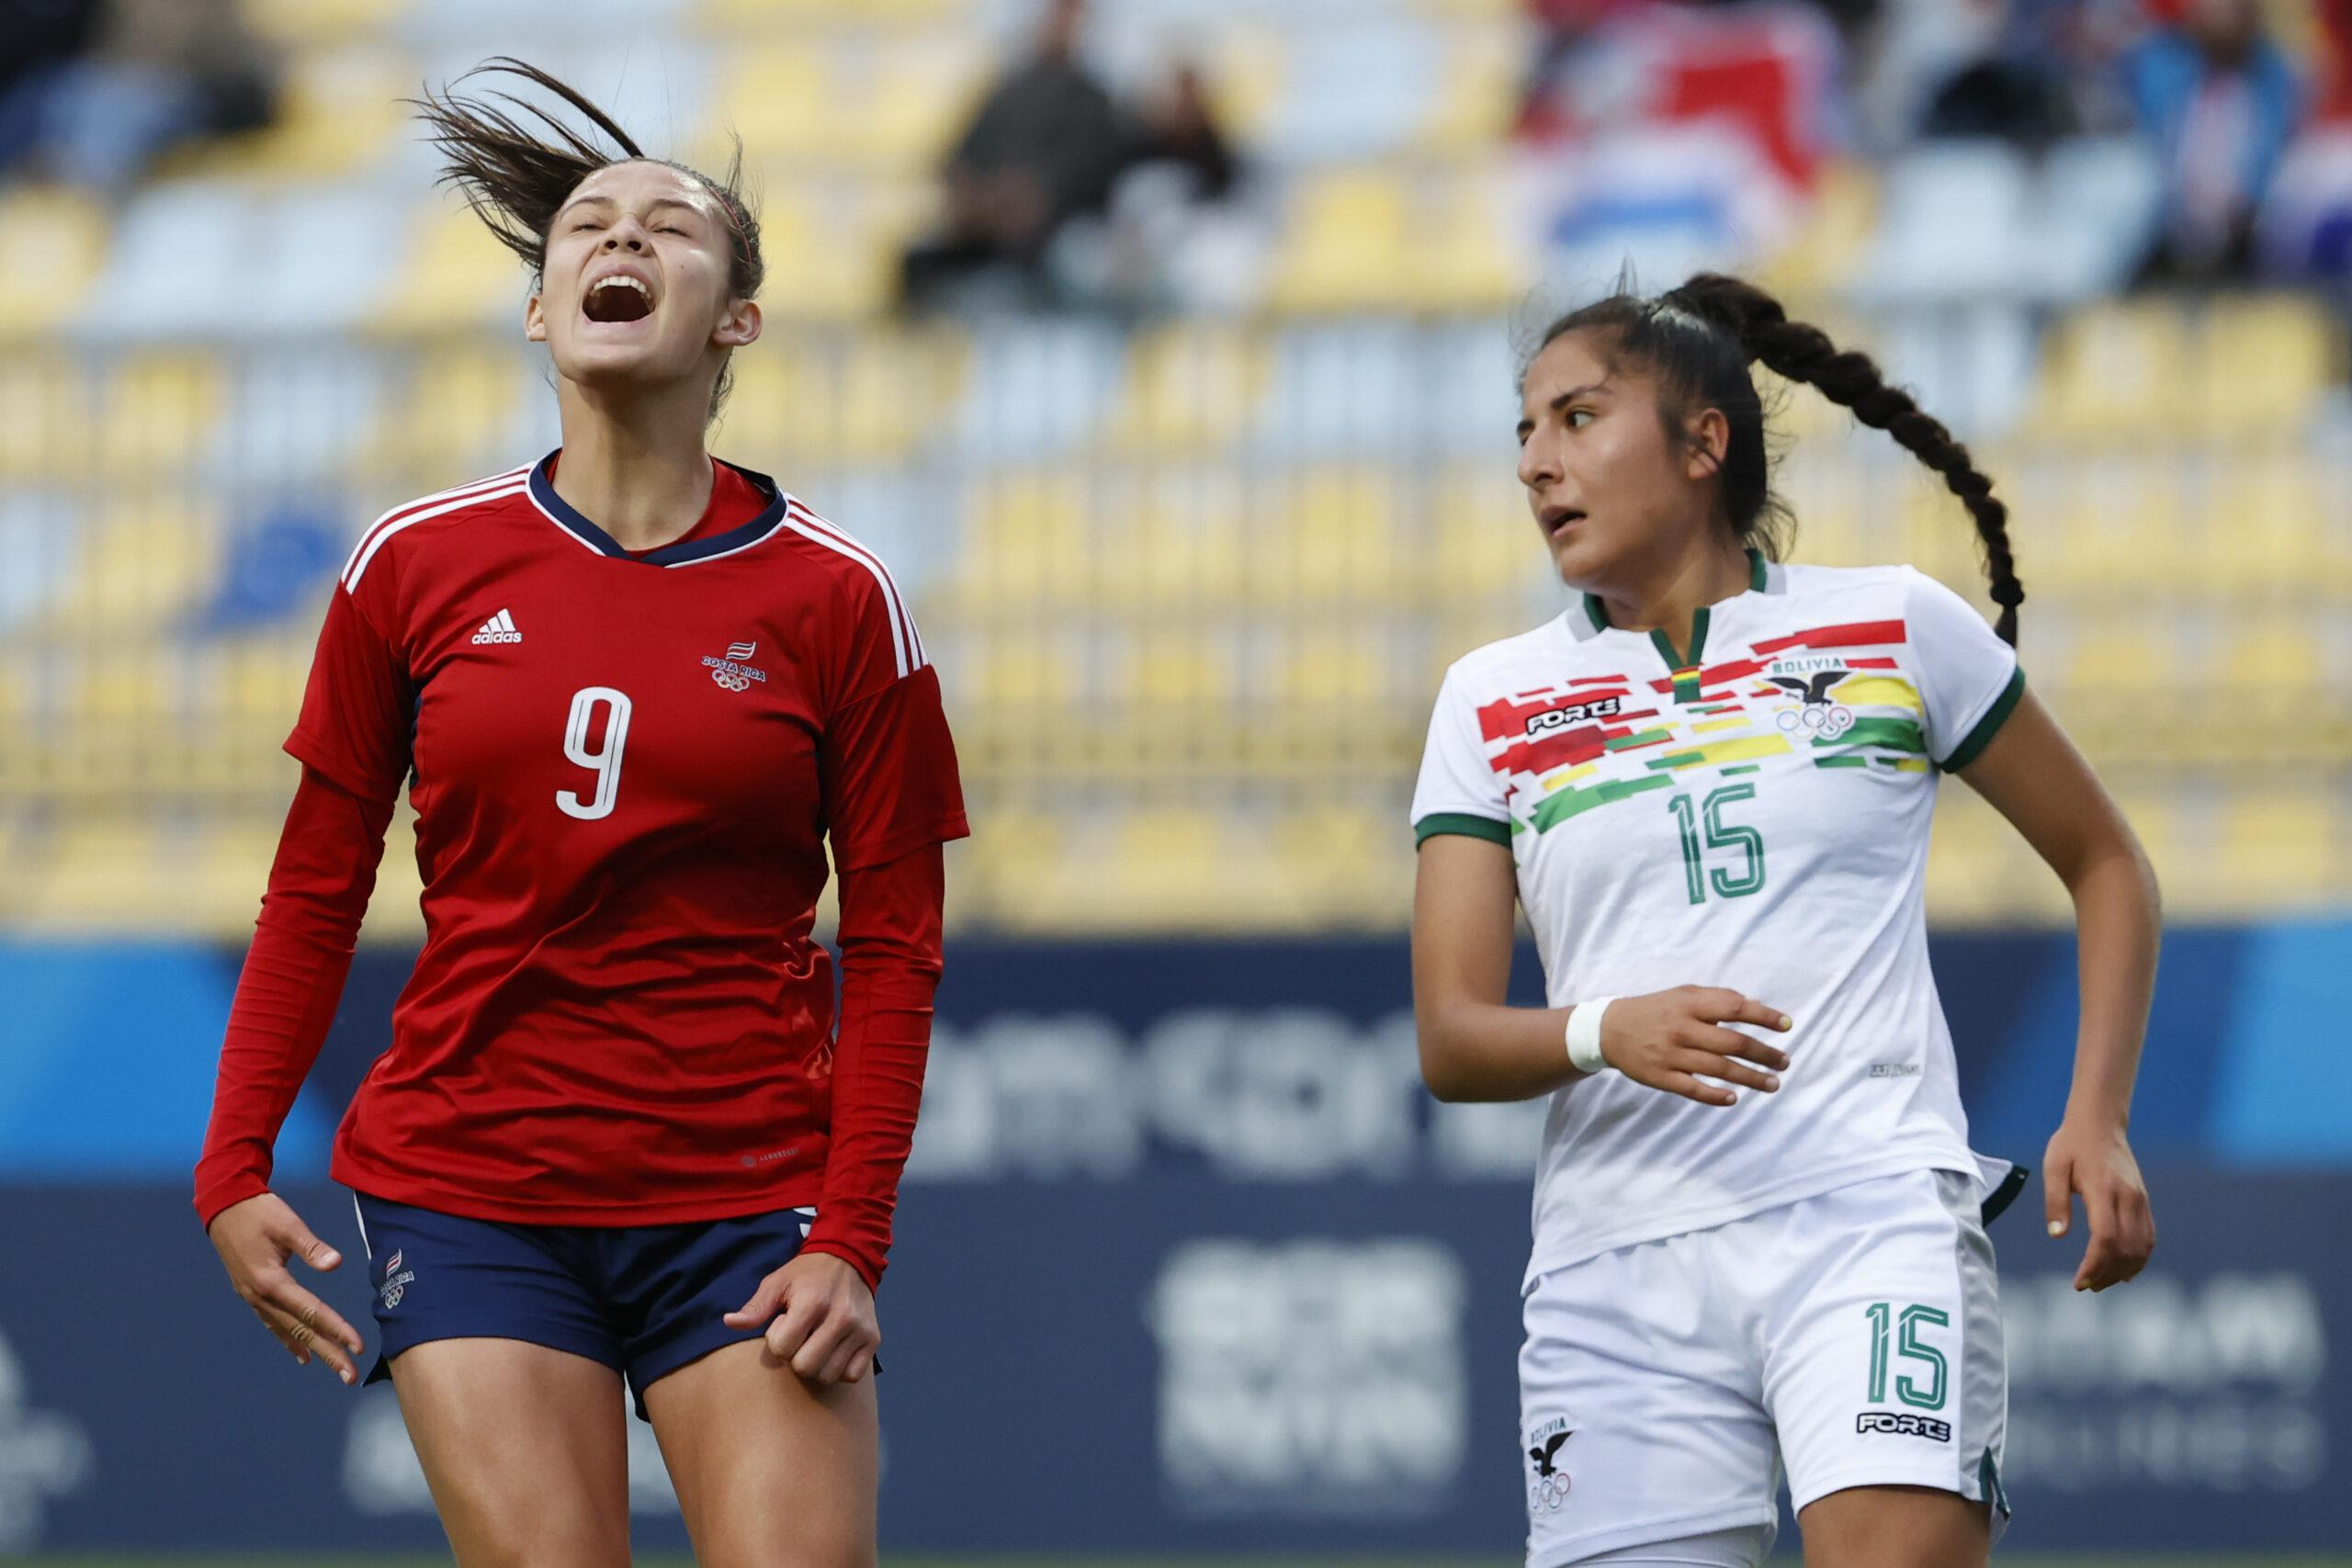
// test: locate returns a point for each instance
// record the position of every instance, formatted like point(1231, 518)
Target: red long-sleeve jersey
point(626, 770)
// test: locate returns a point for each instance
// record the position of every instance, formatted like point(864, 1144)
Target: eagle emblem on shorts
point(1547, 1486)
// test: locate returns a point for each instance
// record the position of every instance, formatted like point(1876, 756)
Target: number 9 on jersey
point(606, 762)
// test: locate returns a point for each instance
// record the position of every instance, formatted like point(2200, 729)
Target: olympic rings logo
point(1823, 719)
point(731, 680)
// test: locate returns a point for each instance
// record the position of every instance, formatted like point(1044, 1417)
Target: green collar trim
point(1665, 644)
point(1758, 578)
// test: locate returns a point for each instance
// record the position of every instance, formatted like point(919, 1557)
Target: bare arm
point(2034, 776)
point(1473, 1047)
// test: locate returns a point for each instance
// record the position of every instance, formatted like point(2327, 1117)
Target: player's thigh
point(1883, 1371)
point(772, 1471)
point(1640, 1420)
point(525, 1449)
point(1896, 1527)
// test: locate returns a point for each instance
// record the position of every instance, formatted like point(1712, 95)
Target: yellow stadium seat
point(338, 108)
point(454, 274)
point(1827, 248)
point(2115, 372)
point(1971, 870)
point(1328, 533)
point(1482, 547)
point(1189, 386)
point(1183, 552)
point(756, 17)
point(157, 410)
point(2260, 365)
point(19, 715)
point(52, 246)
point(826, 261)
point(1248, 66)
point(1191, 869)
point(140, 564)
point(840, 99)
point(864, 398)
point(919, 102)
point(774, 94)
point(2265, 526)
point(1174, 672)
point(1345, 867)
point(298, 23)
point(2117, 692)
point(1478, 88)
point(1027, 544)
point(49, 427)
point(1462, 255)
point(2272, 700)
point(1334, 671)
point(2107, 526)
point(1347, 243)
point(455, 414)
point(2281, 849)
point(99, 874)
point(1831, 504)
point(1028, 675)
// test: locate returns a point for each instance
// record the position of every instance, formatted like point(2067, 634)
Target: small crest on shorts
point(1547, 1484)
point(396, 1282)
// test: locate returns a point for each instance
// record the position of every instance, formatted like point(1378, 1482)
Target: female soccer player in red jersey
point(620, 1133)
point(1709, 784)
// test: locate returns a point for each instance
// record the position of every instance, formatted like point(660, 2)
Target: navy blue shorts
point(644, 1299)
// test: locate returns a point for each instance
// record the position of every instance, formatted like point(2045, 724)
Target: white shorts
point(1856, 1335)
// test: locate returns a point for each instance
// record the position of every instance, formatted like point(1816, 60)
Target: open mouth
point(619, 297)
point(1555, 518)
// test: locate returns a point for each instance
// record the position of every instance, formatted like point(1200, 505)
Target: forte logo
point(1574, 714)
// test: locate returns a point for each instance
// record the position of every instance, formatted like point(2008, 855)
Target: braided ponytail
point(1700, 338)
point(1801, 352)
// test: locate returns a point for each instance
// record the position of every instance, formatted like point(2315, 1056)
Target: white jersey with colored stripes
point(1750, 812)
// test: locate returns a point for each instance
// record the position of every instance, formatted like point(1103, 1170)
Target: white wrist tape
point(1584, 1036)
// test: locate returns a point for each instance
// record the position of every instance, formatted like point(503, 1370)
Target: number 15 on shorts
point(1898, 1332)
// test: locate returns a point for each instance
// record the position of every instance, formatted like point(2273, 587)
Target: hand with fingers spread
point(2095, 1159)
point(1673, 1040)
point(818, 1318)
point(254, 1239)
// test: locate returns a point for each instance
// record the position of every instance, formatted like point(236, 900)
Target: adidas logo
point(499, 627)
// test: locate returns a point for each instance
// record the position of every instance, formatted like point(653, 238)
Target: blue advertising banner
point(1188, 1261)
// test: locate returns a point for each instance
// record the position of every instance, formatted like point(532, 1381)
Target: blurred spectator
point(1679, 136)
point(157, 73)
point(1170, 237)
point(2306, 222)
point(2217, 97)
point(1045, 147)
point(41, 35)
point(1177, 126)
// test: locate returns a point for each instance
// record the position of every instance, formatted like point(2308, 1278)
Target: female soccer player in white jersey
point(622, 1132)
point(1709, 784)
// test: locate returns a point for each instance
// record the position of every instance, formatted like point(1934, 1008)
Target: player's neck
point(1669, 599)
point(640, 474)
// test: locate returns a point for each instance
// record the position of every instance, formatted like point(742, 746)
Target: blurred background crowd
point(1167, 345)
point(1166, 349)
